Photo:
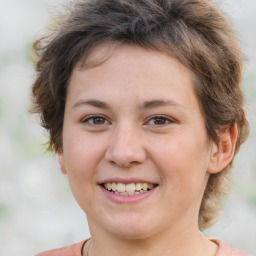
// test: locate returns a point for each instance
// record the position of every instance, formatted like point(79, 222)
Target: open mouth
point(130, 189)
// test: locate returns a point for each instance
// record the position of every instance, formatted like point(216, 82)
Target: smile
point(130, 189)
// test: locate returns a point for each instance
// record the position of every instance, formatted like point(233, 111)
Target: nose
point(126, 147)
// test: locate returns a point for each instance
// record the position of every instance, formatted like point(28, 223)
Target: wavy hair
point(196, 32)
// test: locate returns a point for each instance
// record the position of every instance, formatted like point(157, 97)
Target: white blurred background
point(37, 210)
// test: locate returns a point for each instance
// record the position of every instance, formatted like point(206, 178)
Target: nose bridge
point(126, 147)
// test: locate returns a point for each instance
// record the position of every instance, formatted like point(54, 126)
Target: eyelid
point(171, 120)
point(87, 118)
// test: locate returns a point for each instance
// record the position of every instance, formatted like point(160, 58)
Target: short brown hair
point(195, 32)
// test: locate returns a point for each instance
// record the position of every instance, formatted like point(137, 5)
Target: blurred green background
point(37, 211)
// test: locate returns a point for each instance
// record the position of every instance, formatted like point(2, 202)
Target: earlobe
point(223, 152)
point(61, 162)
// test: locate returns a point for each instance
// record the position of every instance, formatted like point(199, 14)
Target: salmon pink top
point(76, 250)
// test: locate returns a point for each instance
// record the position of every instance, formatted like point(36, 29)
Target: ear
point(223, 152)
point(62, 162)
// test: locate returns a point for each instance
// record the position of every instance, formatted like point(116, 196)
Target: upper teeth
point(130, 188)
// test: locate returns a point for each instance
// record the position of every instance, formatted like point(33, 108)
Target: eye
point(95, 120)
point(159, 120)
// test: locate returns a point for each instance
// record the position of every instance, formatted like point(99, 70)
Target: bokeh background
point(37, 210)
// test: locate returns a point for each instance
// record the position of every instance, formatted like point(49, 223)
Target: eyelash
point(166, 119)
point(92, 117)
point(162, 117)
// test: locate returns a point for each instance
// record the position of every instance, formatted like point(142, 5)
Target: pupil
point(98, 120)
point(159, 121)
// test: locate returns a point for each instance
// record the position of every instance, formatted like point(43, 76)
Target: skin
point(147, 125)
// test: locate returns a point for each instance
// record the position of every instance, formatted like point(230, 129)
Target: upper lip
point(125, 180)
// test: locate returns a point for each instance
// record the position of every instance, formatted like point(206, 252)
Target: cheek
point(80, 160)
point(82, 152)
point(182, 161)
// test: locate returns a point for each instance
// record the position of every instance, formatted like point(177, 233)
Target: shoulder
point(72, 250)
point(226, 250)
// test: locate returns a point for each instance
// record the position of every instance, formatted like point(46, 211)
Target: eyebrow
point(91, 102)
point(160, 103)
point(146, 105)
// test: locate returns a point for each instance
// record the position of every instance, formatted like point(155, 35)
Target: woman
point(143, 105)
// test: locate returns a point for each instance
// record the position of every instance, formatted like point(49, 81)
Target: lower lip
point(121, 199)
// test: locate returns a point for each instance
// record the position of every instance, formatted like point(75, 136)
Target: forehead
point(117, 68)
point(118, 52)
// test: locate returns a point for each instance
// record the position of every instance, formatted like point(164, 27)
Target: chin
point(131, 228)
point(131, 234)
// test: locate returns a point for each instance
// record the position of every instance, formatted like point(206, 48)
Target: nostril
point(124, 164)
point(125, 154)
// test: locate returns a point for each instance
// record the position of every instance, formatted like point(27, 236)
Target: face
point(135, 147)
